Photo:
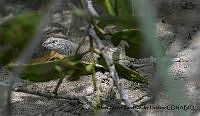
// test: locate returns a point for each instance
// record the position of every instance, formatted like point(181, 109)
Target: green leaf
point(124, 72)
point(124, 8)
point(129, 74)
point(109, 7)
point(15, 33)
point(106, 4)
point(75, 76)
point(46, 71)
point(135, 40)
point(102, 62)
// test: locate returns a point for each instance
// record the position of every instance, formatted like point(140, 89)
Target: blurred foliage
point(2, 8)
point(19, 6)
point(131, 22)
point(14, 35)
point(46, 71)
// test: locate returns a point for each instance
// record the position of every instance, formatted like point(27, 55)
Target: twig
point(89, 7)
point(93, 75)
point(96, 88)
point(112, 69)
point(55, 91)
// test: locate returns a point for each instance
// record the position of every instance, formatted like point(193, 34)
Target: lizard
point(68, 48)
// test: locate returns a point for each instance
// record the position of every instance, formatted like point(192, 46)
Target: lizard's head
point(54, 43)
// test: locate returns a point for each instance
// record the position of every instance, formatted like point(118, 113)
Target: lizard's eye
point(54, 41)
